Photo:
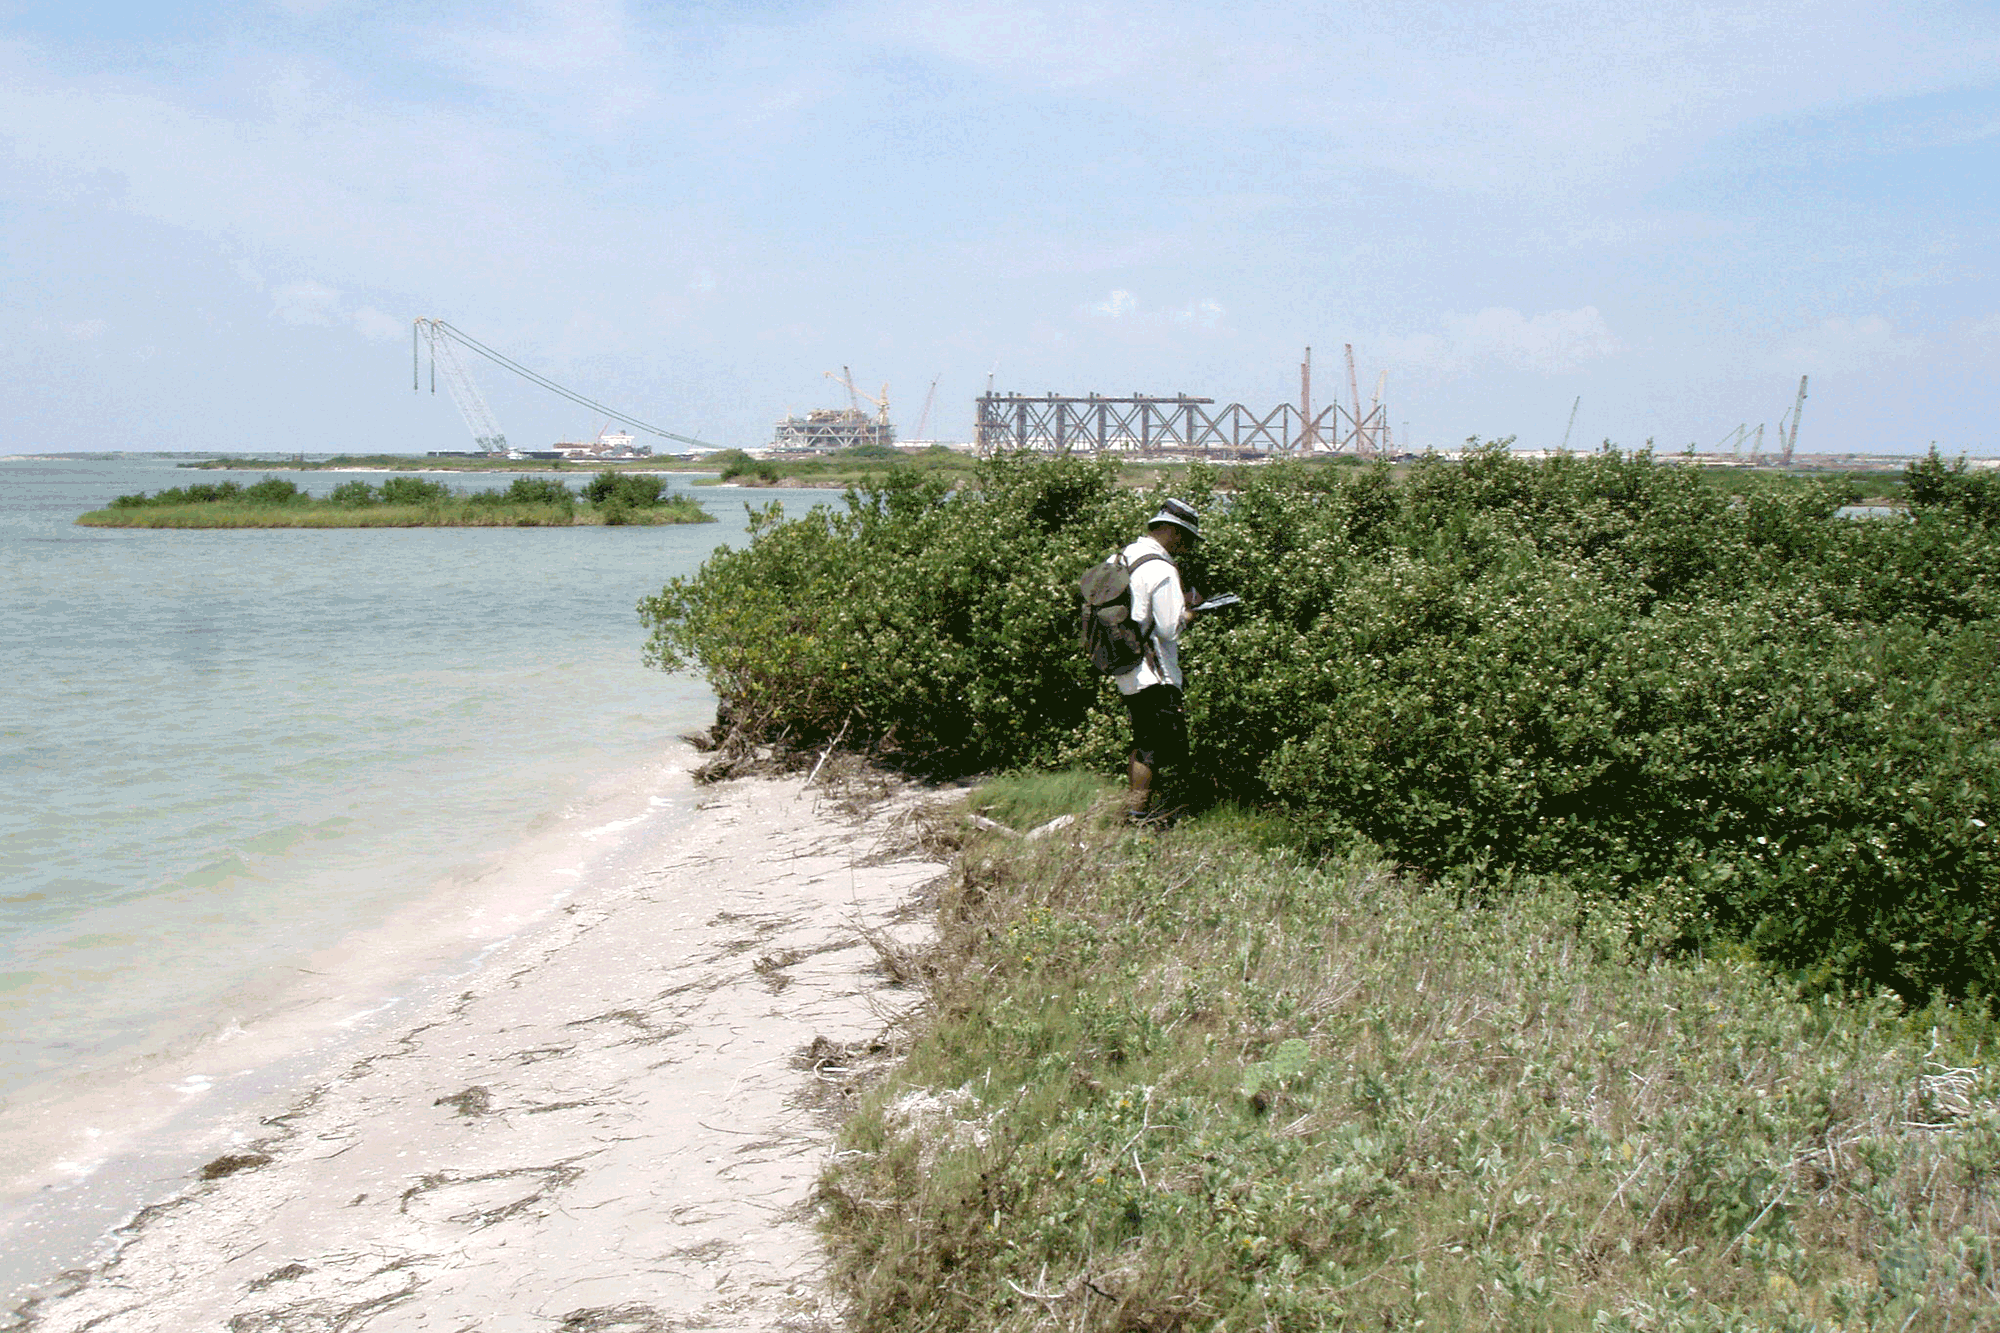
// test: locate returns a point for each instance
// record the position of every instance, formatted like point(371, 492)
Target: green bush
point(933, 625)
point(734, 463)
point(1931, 485)
point(538, 491)
point(726, 459)
point(636, 492)
point(271, 490)
point(750, 467)
point(527, 491)
point(200, 492)
point(414, 491)
point(274, 491)
point(1722, 719)
point(353, 494)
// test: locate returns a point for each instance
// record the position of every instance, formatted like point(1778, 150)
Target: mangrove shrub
point(1726, 717)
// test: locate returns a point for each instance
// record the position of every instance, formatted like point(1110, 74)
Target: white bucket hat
point(1180, 514)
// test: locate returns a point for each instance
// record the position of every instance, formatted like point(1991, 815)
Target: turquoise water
point(222, 750)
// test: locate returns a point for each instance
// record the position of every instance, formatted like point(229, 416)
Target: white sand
point(614, 1126)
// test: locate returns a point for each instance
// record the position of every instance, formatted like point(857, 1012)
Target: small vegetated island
point(835, 470)
point(1587, 918)
point(610, 499)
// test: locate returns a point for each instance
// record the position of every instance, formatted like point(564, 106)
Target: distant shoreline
point(609, 500)
point(400, 463)
point(214, 517)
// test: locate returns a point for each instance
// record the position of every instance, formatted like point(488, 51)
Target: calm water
point(220, 750)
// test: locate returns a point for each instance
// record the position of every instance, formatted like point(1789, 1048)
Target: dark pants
point(1159, 726)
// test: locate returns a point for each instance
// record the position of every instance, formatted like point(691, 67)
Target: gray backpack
point(1107, 633)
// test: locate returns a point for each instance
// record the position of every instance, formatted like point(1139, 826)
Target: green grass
point(1023, 801)
point(450, 514)
point(847, 467)
point(415, 463)
point(1182, 1081)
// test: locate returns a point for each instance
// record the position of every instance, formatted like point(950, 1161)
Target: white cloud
point(1521, 96)
point(311, 170)
point(1425, 350)
point(1841, 344)
point(1985, 329)
point(1200, 315)
point(1553, 343)
point(85, 330)
point(372, 323)
point(585, 59)
point(564, 177)
point(315, 303)
point(305, 303)
point(1074, 46)
point(1144, 321)
point(1117, 305)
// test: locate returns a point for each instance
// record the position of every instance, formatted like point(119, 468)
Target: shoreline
point(630, 1040)
point(79, 1153)
point(333, 518)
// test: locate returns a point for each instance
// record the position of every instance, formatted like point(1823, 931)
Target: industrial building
point(827, 429)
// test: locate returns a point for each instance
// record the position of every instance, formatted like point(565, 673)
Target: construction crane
point(846, 377)
point(924, 418)
point(1379, 419)
point(479, 418)
point(444, 340)
point(1787, 440)
point(1354, 397)
point(1308, 428)
point(1572, 421)
point(854, 396)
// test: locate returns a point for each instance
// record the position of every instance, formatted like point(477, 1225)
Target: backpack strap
point(1152, 653)
point(1133, 568)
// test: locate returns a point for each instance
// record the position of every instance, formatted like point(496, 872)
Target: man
point(1160, 610)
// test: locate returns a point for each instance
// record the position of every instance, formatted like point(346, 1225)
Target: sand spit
point(616, 1126)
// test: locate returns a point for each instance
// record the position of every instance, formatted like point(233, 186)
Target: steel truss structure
point(1145, 424)
point(826, 430)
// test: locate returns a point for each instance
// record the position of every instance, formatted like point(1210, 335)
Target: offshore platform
point(1152, 425)
point(826, 429)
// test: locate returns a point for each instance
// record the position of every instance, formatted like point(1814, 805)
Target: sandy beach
point(614, 1122)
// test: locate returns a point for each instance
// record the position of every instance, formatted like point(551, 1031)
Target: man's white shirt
point(1160, 611)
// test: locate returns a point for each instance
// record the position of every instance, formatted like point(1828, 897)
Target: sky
point(217, 221)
